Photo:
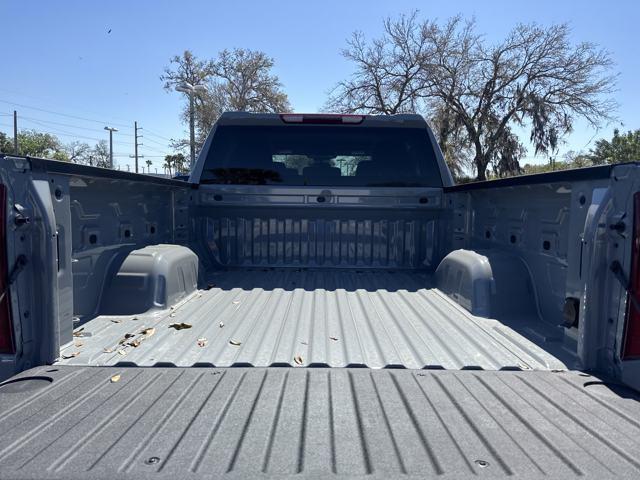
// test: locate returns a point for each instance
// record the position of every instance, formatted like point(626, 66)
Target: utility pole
point(192, 132)
point(135, 129)
point(15, 132)
point(111, 130)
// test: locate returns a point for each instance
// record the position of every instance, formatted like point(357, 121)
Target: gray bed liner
point(334, 318)
point(314, 422)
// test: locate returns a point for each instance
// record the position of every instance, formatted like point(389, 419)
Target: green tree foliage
point(623, 147)
point(175, 164)
point(6, 144)
point(36, 144)
point(478, 92)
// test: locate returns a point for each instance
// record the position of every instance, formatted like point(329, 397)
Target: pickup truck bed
point(75, 423)
point(273, 318)
point(336, 318)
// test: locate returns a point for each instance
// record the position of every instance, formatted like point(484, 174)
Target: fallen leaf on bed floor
point(180, 326)
point(304, 343)
point(115, 378)
point(221, 324)
point(126, 337)
point(122, 352)
point(235, 343)
point(116, 320)
point(298, 360)
point(335, 339)
point(107, 350)
point(134, 343)
point(202, 342)
point(148, 331)
point(134, 318)
point(70, 355)
point(78, 344)
point(78, 333)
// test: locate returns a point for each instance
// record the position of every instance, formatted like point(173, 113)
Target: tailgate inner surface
point(75, 422)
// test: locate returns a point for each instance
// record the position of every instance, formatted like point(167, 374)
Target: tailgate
point(75, 422)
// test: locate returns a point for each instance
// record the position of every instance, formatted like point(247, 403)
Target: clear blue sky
point(59, 56)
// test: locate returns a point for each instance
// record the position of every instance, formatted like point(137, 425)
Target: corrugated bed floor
point(174, 423)
point(313, 318)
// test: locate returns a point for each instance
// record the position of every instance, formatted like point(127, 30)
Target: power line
point(64, 114)
point(154, 141)
point(153, 149)
point(69, 125)
point(64, 133)
point(54, 103)
point(78, 117)
point(157, 135)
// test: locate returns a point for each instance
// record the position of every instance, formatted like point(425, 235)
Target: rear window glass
point(321, 156)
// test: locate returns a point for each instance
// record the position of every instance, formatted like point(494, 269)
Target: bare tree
point(99, 156)
point(388, 76)
point(78, 152)
point(534, 78)
point(247, 83)
point(186, 68)
point(237, 80)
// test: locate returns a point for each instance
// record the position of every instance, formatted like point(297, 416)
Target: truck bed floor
point(335, 318)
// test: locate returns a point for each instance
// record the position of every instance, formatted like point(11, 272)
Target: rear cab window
point(318, 155)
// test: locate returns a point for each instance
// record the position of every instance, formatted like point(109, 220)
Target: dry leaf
point(116, 320)
point(70, 355)
point(335, 339)
point(78, 344)
point(235, 343)
point(135, 343)
point(180, 326)
point(126, 337)
point(107, 350)
point(298, 360)
point(303, 342)
point(115, 378)
point(221, 324)
point(202, 342)
point(134, 318)
point(78, 333)
point(122, 352)
point(148, 331)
